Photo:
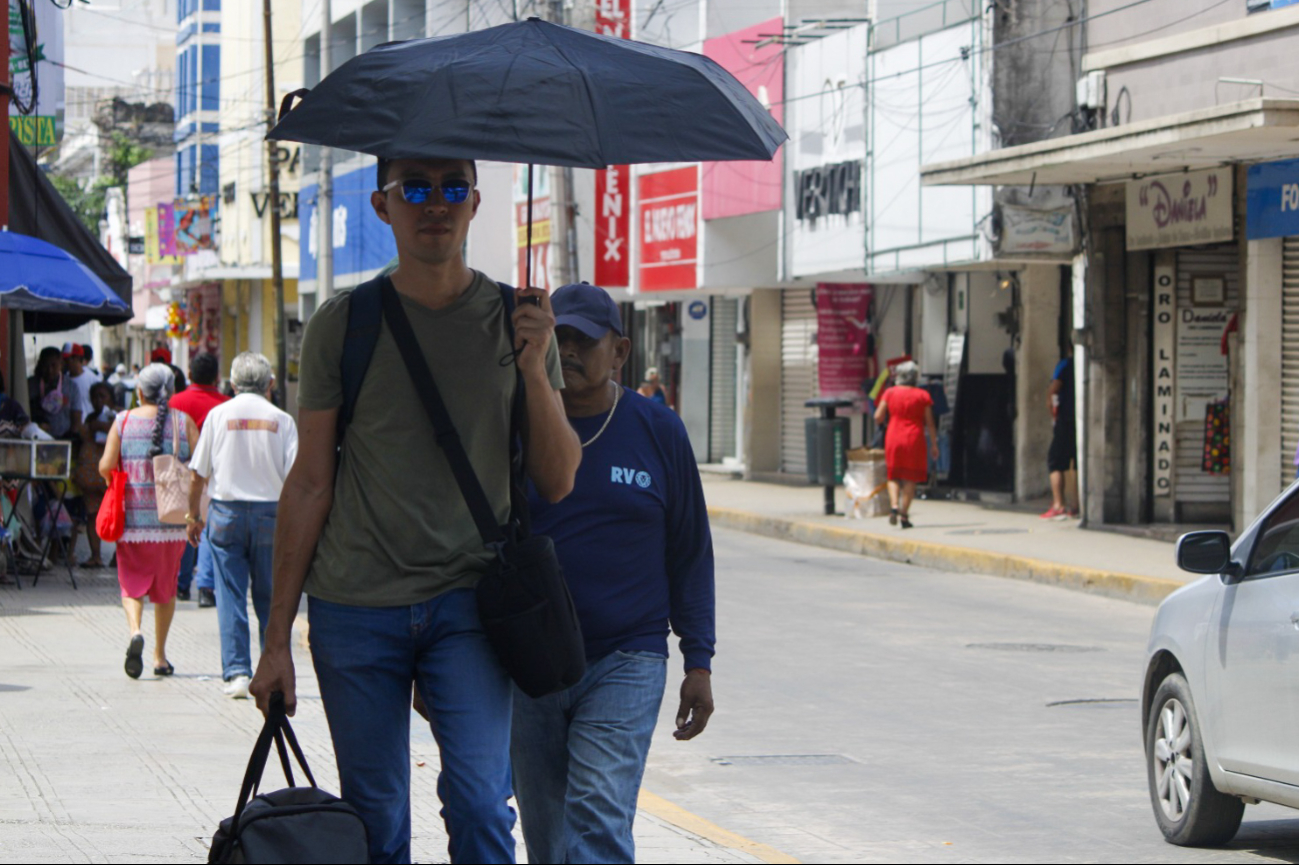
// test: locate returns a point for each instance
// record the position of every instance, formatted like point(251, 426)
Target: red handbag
point(110, 524)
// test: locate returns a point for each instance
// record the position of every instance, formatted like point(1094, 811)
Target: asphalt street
point(866, 711)
point(871, 712)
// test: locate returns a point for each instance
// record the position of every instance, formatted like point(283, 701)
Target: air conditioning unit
point(1091, 91)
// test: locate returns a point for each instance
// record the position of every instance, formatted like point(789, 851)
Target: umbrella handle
point(286, 105)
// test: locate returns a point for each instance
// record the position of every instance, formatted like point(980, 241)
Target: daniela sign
point(1180, 209)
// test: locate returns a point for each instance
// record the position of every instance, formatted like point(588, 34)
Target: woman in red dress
point(909, 412)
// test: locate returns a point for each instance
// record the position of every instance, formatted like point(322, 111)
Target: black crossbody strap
point(447, 437)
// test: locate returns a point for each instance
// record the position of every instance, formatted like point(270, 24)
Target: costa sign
point(613, 18)
point(828, 189)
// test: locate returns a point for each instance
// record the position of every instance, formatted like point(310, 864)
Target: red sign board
point(845, 348)
point(613, 18)
point(739, 188)
point(669, 229)
point(613, 227)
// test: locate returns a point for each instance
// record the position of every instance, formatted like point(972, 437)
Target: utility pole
point(5, 90)
point(325, 188)
point(564, 193)
point(277, 263)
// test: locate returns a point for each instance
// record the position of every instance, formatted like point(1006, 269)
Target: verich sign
point(1180, 209)
point(1272, 200)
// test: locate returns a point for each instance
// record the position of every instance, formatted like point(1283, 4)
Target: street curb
point(945, 557)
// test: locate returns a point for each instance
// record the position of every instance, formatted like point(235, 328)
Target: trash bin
point(827, 446)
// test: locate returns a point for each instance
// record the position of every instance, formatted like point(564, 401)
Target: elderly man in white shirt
point(243, 455)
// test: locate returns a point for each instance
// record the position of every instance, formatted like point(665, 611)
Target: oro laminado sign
point(1185, 209)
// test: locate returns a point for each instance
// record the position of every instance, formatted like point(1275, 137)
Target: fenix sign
point(828, 189)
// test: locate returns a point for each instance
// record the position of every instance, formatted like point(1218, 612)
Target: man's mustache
point(573, 365)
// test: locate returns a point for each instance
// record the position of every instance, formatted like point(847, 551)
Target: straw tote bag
point(171, 479)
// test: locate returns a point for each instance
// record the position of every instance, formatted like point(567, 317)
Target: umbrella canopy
point(37, 209)
point(534, 92)
point(35, 275)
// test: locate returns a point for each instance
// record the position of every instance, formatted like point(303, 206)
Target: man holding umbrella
point(378, 533)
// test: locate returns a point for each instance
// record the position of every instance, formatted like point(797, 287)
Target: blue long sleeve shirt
point(633, 536)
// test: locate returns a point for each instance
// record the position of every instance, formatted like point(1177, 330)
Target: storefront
point(1180, 323)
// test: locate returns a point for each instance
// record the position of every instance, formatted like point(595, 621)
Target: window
point(1277, 548)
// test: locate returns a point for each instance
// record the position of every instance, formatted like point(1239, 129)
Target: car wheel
point(1188, 808)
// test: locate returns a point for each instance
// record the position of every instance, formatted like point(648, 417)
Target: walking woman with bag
point(149, 551)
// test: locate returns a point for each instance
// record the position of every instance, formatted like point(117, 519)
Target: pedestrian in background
point(196, 401)
point(1062, 457)
point(245, 452)
point(635, 546)
point(651, 388)
point(909, 411)
point(89, 481)
point(148, 553)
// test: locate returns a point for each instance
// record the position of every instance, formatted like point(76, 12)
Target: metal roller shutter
point(1289, 358)
point(797, 376)
point(1192, 485)
point(721, 417)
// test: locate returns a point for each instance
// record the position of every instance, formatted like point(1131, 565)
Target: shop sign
point(1163, 343)
point(1038, 231)
point(613, 227)
point(541, 225)
point(288, 204)
point(204, 305)
point(1180, 209)
point(741, 188)
point(1202, 374)
point(845, 356)
point(44, 126)
point(1272, 200)
point(669, 229)
point(193, 230)
point(362, 243)
point(613, 18)
point(828, 189)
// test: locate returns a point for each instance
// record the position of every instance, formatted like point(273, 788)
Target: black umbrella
point(534, 92)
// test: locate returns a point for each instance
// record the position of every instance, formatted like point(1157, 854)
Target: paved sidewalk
point(957, 536)
point(95, 767)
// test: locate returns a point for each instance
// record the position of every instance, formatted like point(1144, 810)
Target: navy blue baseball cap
point(589, 308)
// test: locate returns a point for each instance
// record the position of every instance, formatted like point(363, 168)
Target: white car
point(1220, 704)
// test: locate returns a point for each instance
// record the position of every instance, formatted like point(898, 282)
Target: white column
point(1257, 455)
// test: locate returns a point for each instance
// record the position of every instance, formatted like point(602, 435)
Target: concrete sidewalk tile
point(958, 536)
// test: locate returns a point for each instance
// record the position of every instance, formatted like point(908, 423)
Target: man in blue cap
point(634, 542)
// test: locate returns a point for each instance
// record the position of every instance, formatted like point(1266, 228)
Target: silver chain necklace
point(617, 394)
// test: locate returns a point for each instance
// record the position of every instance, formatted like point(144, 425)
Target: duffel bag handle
point(276, 728)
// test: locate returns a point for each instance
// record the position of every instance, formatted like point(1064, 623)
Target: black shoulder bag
point(526, 610)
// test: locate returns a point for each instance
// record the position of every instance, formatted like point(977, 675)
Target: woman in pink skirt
point(148, 554)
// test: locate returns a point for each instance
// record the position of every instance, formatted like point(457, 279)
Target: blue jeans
point(366, 659)
point(579, 756)
point(242, 536)
point(205, 575)
point(187, 562)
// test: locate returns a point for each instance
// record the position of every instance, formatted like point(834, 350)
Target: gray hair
point(907, 374)
point(156, 383)
point(250, 373)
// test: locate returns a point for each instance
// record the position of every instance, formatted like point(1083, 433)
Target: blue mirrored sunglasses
point(418, 191)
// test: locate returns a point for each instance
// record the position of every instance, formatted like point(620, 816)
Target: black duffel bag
point(524, 604)
point(296, 824)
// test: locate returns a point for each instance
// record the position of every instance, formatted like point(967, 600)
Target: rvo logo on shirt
point(630, 476)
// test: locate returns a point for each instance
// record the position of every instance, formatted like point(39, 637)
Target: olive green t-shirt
point(399, 531)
